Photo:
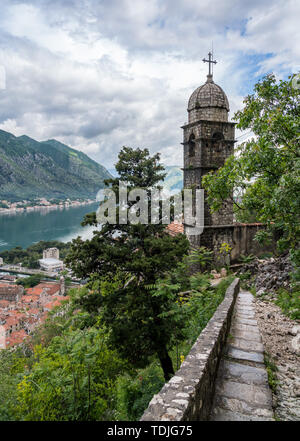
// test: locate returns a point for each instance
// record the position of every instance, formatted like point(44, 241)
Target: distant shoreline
point(47, 207)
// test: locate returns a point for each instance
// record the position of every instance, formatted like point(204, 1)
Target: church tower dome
point(208, 102)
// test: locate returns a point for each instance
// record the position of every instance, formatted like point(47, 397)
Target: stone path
point(242, 390)
point(279, 334)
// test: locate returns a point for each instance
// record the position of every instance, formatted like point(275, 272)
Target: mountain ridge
point(173, 182)
point(31, 169)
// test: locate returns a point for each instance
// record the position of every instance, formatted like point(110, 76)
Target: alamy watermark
point(137, 205)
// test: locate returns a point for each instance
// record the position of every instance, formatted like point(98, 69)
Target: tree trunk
point(166, 363)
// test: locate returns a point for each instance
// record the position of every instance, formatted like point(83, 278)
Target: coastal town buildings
point(40, 204)
point(22, 312)
point(12, 293)
point(50, 260)
point(51, 253)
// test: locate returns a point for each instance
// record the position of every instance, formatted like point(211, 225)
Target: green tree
point(73, 378)
point(141, 319)
point(30, 256)
point(12, 363)
point(29, 282)
point(266, 168)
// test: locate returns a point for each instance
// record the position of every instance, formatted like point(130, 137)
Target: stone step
point(243, 373)
point(246, 345)
point(220, 414)
point(245, 335)
point(239, 354)
point(242, 391)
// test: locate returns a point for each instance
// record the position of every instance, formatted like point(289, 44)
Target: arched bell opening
point(192, 146)
point(217, 140)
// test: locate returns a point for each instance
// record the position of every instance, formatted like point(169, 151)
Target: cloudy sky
point(100, 74)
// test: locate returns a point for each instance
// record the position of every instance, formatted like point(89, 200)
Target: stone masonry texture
point(208, 140)
point(242, 390)
point(188, 395)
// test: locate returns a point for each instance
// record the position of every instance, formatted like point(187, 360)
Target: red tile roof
point(55, 302)
point(175, 228)
point(48, 306)
point(11, 321)
point(16, 338)
point(29, 299)
point(16, 313)
point(34, 290)
point(34, 311)
point(50, 288)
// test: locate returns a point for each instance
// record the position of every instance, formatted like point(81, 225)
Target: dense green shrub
point(246, 259)
point(70, 370)
point(12, 365)
point(71, 379)
point(134, 393)
point(203, 304)
point(29, 257)
point(289, 302)
point(29, 282)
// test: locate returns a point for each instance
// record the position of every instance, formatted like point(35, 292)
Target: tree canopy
point(124, 261)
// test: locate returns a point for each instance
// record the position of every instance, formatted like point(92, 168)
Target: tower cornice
point(207, 138)
point(196, 123)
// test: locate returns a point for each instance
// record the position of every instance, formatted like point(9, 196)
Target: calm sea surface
point(24, 229)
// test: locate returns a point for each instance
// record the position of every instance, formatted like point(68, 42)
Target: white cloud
point(99, 75)
point(2, 78)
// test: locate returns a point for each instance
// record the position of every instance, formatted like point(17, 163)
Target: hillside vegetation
point(30, 256)
point(50, 169)
point(70, 370)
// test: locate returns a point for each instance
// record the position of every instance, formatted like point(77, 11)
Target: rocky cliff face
point(30, 169)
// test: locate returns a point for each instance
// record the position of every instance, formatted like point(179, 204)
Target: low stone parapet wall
point(189, 393)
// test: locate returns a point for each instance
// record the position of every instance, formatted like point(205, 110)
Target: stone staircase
point(242, 392)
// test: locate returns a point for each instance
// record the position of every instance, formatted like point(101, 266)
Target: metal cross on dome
point(210, 61)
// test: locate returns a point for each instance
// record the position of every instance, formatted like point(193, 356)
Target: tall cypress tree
point(143, 319)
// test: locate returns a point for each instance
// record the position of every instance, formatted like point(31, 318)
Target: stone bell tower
point(208, 139)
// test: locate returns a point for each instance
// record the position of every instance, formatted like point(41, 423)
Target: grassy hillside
point(30, 169)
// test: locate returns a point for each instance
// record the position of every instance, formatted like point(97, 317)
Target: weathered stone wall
point(210, 153)
point(244, 243)
point(209, 113)
point(213, 143)
point(208, 140)
point(188, 395)
point(240, 237)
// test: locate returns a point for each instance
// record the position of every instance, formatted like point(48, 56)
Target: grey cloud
point(104, 103)
point(104, 123)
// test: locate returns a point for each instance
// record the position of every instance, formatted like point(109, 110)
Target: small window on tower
point(218, 136)
point(192, 146)
point(217, 141)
